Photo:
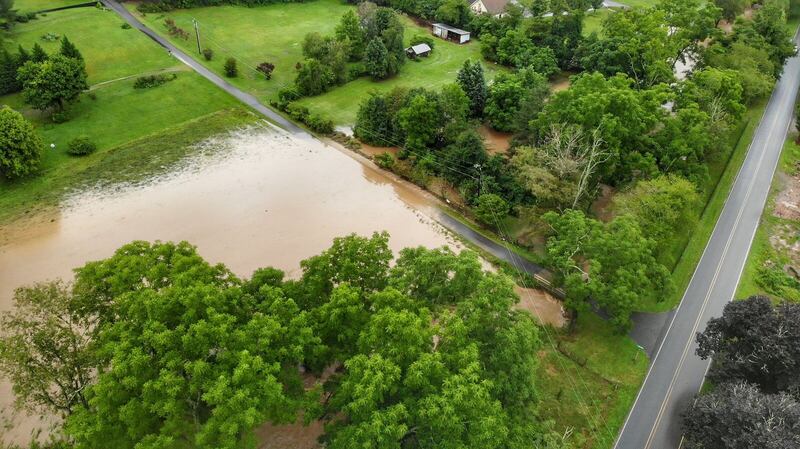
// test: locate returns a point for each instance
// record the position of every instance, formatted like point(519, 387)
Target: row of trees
point(155, 347)
point(373, 39)
point(755, 401)
point(47, 82)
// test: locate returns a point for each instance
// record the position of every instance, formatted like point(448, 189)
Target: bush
point(126, 26)
point(266, 68)
point(490, 209)
point(148, 81)
point(208, 53)
point(20, 145)
point(175, 30)
point(421, 39)
point(319, 124)
point(50, 37)
point(81, 146)
point(384, 161)
point(356, 71)
point(231, 71)
point(60, 117)
point(288, 94)
point(297, 112)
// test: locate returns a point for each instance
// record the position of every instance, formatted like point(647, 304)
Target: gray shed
point(418, 50)
point(450, 33)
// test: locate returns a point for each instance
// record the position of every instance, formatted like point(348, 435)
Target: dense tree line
point(625, 121)
point(372, 39)
point(755, 402)
point(155, 347)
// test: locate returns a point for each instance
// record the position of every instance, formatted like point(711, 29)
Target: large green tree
point(54, 83)
point(610, 264)
point(20, 147)
point(46, 349)
point(470, 78)
point(190, 359)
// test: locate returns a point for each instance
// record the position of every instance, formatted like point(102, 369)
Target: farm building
point(450, 33)
point(415, 51)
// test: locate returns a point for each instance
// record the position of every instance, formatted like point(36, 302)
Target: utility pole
point(197, 36)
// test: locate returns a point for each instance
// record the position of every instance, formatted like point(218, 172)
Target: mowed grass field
point(114, 114)
point(274, 33)
point(39, 5)
point(110, 51)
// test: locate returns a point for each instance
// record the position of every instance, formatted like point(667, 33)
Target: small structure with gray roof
point(415, 51)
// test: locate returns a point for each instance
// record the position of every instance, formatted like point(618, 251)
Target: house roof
point(494, 6)
point(450, 29)
point(420, 49)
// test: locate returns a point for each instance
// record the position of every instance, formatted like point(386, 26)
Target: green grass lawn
point(275, 33)
point(110, 51)
point(39, 5)
point(588, 381)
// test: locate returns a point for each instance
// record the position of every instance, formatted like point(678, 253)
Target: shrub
point(126, 26)
point(421, 39)
point(60, 116)
point(230, 68)
point(319, 124)
point(50, 37)
point(356, 71)
point(20, 146)
point(148, 81)
point(297, 112)
point(175, 30)
point(81, 146)
point(384, 161)
point(208, 53)
point(266, 68)
point(288, 94)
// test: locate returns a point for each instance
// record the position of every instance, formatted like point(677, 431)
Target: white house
point(494, 7)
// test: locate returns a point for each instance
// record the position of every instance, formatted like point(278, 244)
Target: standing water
point(254, 198)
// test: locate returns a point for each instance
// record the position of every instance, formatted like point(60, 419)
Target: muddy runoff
point(252, 198)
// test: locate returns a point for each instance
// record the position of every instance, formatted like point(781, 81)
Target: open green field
point(275, 33)
point(110, 51)
point(39, 5)
point(114, 114)
point(763, 253)
point(588, 381)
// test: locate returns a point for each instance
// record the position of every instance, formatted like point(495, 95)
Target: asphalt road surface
point(676, 373)
point(242, 96)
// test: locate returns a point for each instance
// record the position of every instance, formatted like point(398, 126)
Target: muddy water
point(252, 199)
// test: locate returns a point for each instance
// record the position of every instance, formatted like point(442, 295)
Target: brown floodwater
point(254, 198)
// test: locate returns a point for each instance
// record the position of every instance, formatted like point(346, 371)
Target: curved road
point(676, 373)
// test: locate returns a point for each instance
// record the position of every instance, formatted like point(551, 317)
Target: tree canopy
point(20, 147)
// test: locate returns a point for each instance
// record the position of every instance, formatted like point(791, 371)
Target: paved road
point(244, 97)
point(676, 373)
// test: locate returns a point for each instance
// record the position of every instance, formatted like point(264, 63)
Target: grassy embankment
point(274, 33)
point(24, 6)
point(135, 125)
point(764, 254)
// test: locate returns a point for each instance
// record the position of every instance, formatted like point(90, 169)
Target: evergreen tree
point(8, 73)
point(23, 56)
point(38, 54)
point(377, 59)
point(69, 50)
point(471, 80)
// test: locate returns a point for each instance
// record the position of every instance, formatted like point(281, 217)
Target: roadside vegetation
point(753, 399)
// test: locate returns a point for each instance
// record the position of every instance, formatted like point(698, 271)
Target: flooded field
point(251, 199)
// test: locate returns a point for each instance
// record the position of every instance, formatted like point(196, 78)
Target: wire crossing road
point(676, 373)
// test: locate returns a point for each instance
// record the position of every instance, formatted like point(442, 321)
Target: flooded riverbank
point(252, 199)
